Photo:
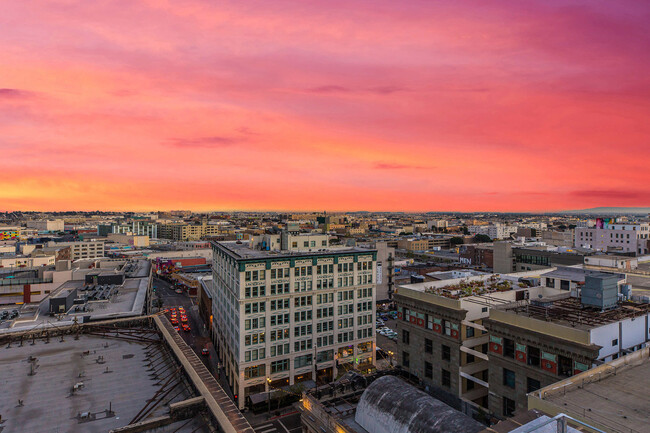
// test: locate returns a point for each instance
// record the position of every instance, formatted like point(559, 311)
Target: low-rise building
point(82, 250)
point(540, 340)
point(46, 225)
point(615, 237)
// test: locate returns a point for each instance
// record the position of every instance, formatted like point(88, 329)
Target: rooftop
point(482, 284)
point(387, 405)
point(125, 300)
point(568, 311)
point(613, 396)
point(241, 251)
point(576, 273)
point(89, 384)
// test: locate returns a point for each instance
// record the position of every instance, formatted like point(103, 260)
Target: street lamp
point(268, 395)
point(390, 356)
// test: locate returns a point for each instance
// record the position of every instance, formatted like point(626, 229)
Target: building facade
point(82, 250)
point(615, 237)
point(182, 231)
point(281, 318)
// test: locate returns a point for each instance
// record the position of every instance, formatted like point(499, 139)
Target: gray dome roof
point(390, 405)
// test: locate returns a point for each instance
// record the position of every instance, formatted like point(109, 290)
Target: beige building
point(290, 242)
point(423, 244)
point(136, 241)
point(282, 318)
point(47, 225)
point(182, 231)
point(82, 250)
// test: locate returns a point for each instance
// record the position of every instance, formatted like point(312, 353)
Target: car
point(179, 291)
point(176, 328)
point(184, 318)
point(205, 351)
point(174, 321)
point(181, 309)
point(186, 327)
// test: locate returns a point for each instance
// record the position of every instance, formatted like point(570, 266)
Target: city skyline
point(377, 106)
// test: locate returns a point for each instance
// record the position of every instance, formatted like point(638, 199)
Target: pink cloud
point(324, 105)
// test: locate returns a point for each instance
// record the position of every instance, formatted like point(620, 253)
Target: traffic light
point(236, 398)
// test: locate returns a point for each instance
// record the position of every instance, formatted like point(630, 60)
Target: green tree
point(456, 240)
point(479, 238)
point(465, 230)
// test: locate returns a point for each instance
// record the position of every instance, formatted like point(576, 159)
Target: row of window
point(325, 326)
point(324, 269)
point(279, 304)
point(510, 380)
point(256, 323)
point(279, 289)
point(301, 316)
point(280, 319)
point(346, 323)
point(302, 330)
point(302, 271)
point(280, 273)
point(305, 301)
point(254, 292)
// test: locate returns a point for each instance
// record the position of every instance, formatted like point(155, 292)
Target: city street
point(198, 337)
point(289, 423)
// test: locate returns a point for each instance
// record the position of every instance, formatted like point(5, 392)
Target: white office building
point(615, 238)
point(282, 318)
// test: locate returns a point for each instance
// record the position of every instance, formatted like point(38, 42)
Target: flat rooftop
point(242, 251)
point(477, 285)
point(613, 396)
point(568, 311)
point(577, 273)
point(69, 385)
point(127, 301)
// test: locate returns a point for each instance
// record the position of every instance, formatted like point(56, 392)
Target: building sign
point(520, 352)
point(579, 367)
point(496, 344)
point(379, 273)
point(549, 362)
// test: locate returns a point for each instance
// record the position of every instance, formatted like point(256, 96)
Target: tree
point(479, 238)
point(456, 240)
point(465, 230)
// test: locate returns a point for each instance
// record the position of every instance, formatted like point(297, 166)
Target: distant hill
point(612, 210)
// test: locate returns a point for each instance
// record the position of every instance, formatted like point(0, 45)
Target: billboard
point(603, 223)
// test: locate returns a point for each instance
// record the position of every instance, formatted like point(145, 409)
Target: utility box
point(600, 291)
point(61, 303)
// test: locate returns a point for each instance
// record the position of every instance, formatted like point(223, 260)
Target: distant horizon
point(604, 209)
point(497, 105)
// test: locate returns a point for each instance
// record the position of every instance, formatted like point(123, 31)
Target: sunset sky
point(324, 105)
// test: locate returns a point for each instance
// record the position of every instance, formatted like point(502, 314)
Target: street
point(289, 423)
point(198, 337)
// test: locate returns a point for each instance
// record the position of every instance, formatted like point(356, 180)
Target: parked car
point(205, 351)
